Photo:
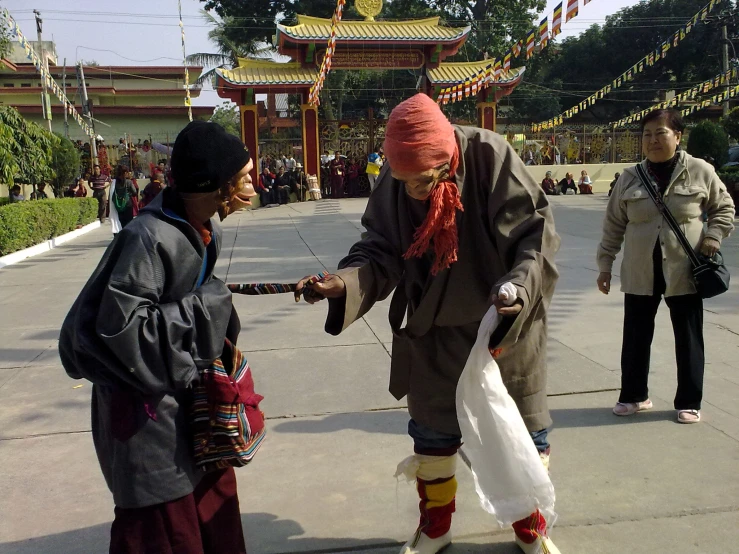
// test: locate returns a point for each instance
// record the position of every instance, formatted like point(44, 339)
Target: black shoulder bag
point(710, 275)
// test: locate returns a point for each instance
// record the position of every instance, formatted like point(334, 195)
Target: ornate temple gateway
point(366, 44)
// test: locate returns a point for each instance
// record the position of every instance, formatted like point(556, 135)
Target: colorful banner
point(45, 75)
point(530, 43)
point(572, 10)
point(495, 70)
point(647, 61)
point(544, 33)
point(314, 98)
point(557, 20)
point(687, 95)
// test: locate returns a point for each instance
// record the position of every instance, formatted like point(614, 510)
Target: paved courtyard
point(323, 481)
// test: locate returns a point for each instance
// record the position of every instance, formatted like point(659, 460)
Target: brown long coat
point(506, 233)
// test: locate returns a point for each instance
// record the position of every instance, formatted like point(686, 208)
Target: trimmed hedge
point(26, 224)
point(4, 200)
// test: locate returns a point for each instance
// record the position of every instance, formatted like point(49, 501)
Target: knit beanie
point(205, 157)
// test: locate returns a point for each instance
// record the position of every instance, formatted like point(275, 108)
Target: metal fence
point(567, 144)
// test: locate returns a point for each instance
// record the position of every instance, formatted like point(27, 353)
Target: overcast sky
point(146, 32)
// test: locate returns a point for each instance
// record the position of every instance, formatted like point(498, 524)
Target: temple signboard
point(375, 59)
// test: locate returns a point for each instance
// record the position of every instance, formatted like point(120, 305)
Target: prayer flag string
point(315, 90)
point(45, 75)
point(660, 53)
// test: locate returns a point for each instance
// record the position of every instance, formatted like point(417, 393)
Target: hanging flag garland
point(315, 90)
point(188, 100)
point(45, 75)
point(647, 61)
point(497, 69)
point(691, 94)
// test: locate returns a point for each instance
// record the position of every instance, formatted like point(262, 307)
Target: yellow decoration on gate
point(368, 8)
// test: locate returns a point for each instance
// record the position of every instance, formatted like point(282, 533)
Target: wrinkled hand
point(604, 282)
point(710, 247)
point(332, 286)
point(513, 309)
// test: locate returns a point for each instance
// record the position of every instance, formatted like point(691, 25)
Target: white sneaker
point(542, 545)
point(422, 544)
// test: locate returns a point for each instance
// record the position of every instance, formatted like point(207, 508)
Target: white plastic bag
point(510, 478)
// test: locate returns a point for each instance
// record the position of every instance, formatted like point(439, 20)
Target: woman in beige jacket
point(655, 265)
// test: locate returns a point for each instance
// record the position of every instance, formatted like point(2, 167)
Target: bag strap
point(667, 214)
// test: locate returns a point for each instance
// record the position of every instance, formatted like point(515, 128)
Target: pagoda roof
point(452, 73)
point(268, 72)
point(311, 29)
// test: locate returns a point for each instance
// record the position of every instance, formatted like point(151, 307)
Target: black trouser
point(686, 313)
point(99, 194)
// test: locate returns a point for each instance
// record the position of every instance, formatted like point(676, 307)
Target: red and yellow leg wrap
point(436, 505)
point(529, 529)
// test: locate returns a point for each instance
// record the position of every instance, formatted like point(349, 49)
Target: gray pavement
point(323, 479)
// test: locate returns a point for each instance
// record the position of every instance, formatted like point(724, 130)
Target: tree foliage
point(227, 116)
point(588, 62)
point(708, 140)
point(730, 123)
point(559, 77)
point(65, 162)
point(4, 39)
point(251, 24)
point(25, 149)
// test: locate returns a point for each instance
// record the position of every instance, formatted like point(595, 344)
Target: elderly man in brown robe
point(454, 216)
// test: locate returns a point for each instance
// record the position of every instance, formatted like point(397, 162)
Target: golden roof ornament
point(368, 8)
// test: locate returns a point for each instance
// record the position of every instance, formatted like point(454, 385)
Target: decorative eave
point(107, 91)
point(142, 111)
point(266, 72)
point(455, 73)
point(114, 71)
point(419, 32)
point(263, 76)
point(7, 64)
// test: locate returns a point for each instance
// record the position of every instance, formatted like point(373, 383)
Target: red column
point(250, 135)
point(311, 153)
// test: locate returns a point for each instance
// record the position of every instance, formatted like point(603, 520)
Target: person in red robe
point(337, 167)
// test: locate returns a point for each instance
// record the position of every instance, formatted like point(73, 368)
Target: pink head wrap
point(419, 137)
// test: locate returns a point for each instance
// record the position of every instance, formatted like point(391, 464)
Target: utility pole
point(725, 66)
point(86, 111)
point(45, 101)
point(64, 88)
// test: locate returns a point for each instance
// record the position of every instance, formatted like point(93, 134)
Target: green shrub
point(730, 123)
point(25, 224)
point(709, 139)
point(65, 161)
point(4, 200)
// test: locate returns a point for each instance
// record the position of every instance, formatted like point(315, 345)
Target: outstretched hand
point(505, 310)
point(332, 286)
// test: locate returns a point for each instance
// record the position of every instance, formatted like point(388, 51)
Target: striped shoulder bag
point(227, 424)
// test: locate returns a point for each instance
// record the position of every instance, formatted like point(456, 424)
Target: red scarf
point(419, 137)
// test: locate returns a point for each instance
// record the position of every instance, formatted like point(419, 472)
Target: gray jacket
point(139, 331)
point(633, 219)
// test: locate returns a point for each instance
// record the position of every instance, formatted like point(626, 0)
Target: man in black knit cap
point(150, 317)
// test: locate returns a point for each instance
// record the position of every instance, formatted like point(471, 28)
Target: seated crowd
point(583, 186)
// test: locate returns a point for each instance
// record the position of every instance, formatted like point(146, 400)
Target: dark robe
point(338, 171)
point(506, 234)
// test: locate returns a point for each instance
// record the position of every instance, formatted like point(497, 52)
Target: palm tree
point(228, 51)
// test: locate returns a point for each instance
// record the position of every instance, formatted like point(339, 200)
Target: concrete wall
point(27, 190)
point(600, 174)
